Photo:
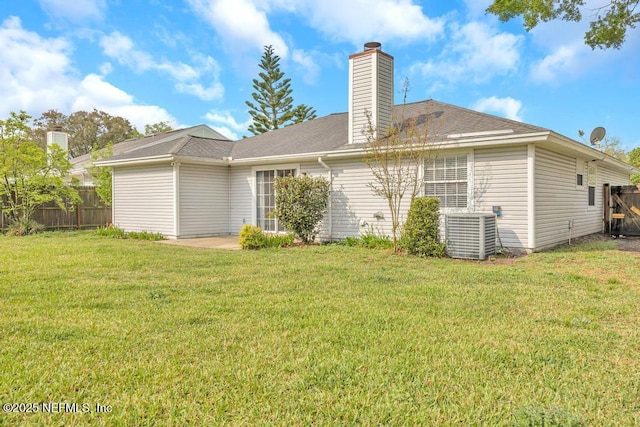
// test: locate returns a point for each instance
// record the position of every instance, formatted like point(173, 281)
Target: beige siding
point(500, 179)
point(241, 208)
point(204, 200)
point(362, 99)
point(353, 201)
point(385, 91)
point(143, 199)
point(559, 200)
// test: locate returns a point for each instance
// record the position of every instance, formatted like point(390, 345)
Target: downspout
point(531, 197)
point(228, 160)
point(229, 199)
point(330, 175)
point(176, 199)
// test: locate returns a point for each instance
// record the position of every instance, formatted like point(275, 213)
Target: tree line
point(89, 131)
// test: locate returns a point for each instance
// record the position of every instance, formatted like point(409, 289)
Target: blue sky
point(192, 61)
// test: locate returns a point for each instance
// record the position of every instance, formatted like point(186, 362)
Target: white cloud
point(477, 8)
point(475, 52)
point(241, 23)
point(77, 11)
point(106, 68)
point(187, 77)
point(505, 107)
point(567, 57)
point(96, 93)
point(226, 124)
point(359, 21)
point(36, 72)
point(306, 61)
point(557, 63)
point(36, 75)
point(245, 23)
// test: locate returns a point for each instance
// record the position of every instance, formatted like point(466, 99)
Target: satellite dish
point(597, 135)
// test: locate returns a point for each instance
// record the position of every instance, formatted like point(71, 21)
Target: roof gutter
point(138, 161)
point(163, 159)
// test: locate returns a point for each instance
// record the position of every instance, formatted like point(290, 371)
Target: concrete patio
point(217, 242)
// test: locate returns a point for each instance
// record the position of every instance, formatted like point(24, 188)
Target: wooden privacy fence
point(625, 204)
point(91, 213)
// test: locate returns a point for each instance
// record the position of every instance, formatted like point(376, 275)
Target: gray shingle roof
point(319, 135)
point(330, 133)
point(188, 146)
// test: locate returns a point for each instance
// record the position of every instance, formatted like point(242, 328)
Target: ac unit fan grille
point(470, 236)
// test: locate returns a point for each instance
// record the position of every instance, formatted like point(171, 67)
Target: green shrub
point(372, 240)
point(352, 241)
point(421, 234)
point(118, 233)
point(111, 231)
point(277, 240)
point(23, 227)
point(251, 237)
point(369, 240)
point(144, 235)
point(301, 202)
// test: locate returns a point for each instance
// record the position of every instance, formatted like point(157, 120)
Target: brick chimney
point(370, 90)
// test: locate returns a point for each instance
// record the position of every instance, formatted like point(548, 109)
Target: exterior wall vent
point(470, 236)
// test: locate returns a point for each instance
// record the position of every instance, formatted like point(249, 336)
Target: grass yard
point(329, 335)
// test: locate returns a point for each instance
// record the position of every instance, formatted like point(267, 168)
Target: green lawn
point(328, 335)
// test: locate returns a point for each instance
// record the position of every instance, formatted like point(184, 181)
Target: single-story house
point(545, 187)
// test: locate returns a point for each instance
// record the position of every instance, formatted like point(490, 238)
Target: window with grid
point(446, 179)
point(266, 198)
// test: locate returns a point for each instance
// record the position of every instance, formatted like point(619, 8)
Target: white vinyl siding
point(371, 88)
point(143, 199)
point(361, 96)
point(204, 200)
point(354, 203)
point(385, 92)
point(559, 201)
point(500, 179)
point(241, 211)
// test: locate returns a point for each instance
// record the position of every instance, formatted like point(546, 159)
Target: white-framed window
point(447, 178)
point(591, 181)
point(581, 170)
point(266, 197)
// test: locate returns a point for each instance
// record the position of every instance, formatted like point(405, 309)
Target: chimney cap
point(372, 46)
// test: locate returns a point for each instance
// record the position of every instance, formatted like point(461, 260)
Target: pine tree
point(303, 113)
point(273, 107)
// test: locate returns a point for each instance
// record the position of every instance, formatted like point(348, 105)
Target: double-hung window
point(266, 198)
point(446, 178)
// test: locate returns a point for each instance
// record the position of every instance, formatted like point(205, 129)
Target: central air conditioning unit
point(470, 236)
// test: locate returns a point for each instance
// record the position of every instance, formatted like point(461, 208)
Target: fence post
point(78, 222)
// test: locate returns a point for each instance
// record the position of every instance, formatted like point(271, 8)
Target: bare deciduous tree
point(396, 157)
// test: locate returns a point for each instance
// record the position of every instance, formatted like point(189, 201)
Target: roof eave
point(590, 153)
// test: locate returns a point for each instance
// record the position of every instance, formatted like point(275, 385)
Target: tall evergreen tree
point(273, 104)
